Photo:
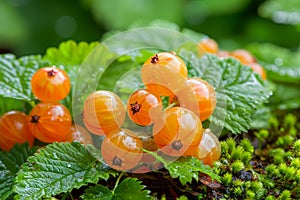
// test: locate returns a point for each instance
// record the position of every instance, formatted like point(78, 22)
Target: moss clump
point(268, 169)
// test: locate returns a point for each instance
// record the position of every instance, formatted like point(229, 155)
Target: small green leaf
point(58, 168)
point(129, 188)
point(15, 75)
point(185, 168)
point(97, 192)
point(10, 163)
point(188, 168)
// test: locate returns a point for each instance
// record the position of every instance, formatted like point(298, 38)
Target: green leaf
point(239, 92)
point(129, 188)
point(10, 163)
point(197, 37)
point(9, 104)
point(15, 75)
point(58, 168)
point(141, 12)
point(97, 192)
point(69, 53)
point(273, 54)
point(281, 64)
point(13, 29)
point(281, 11)
point(187, 169)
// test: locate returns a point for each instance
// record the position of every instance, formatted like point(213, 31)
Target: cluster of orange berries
point(245, 57)
point(176, 129)
point(49, 121)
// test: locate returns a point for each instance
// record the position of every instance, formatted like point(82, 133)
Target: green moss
point(285, 195)
point(270, 170)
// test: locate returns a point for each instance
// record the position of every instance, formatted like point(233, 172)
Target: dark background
point(31, 26)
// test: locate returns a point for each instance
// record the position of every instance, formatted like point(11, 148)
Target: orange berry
point(198, 96)
point(50, 122)
point(14, 129)
point(164, 73)
point(223, 54)
point(244, 56)
point(50, 84)
point(143, 107)
point(208, 150)
point(103, 112)
point(178, 130)
point(208, 45)
point(122, 149)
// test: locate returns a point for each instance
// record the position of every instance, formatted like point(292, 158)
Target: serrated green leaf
point(97, 192)
point(69, 53)
point(129, 188)
point(10, 163)
point(239, 92)
point(58, 168)
point(6, 183)
point(15, 75)
point(187, 169)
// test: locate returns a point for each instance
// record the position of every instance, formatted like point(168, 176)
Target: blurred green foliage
point(30, 26)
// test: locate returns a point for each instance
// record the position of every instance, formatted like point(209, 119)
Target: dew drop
point(54, 155)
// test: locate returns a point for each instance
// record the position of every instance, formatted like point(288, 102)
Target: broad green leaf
point(107, 13)
point(281, 64)
point(197, 37)
point(9, 104)
point(273, 54)
point(15, 75)
point(13, 29)
point(281, 11)
point(286, 96)
point(129, 188)
point(10, 163)
point(58, 168)
point(239, 92)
